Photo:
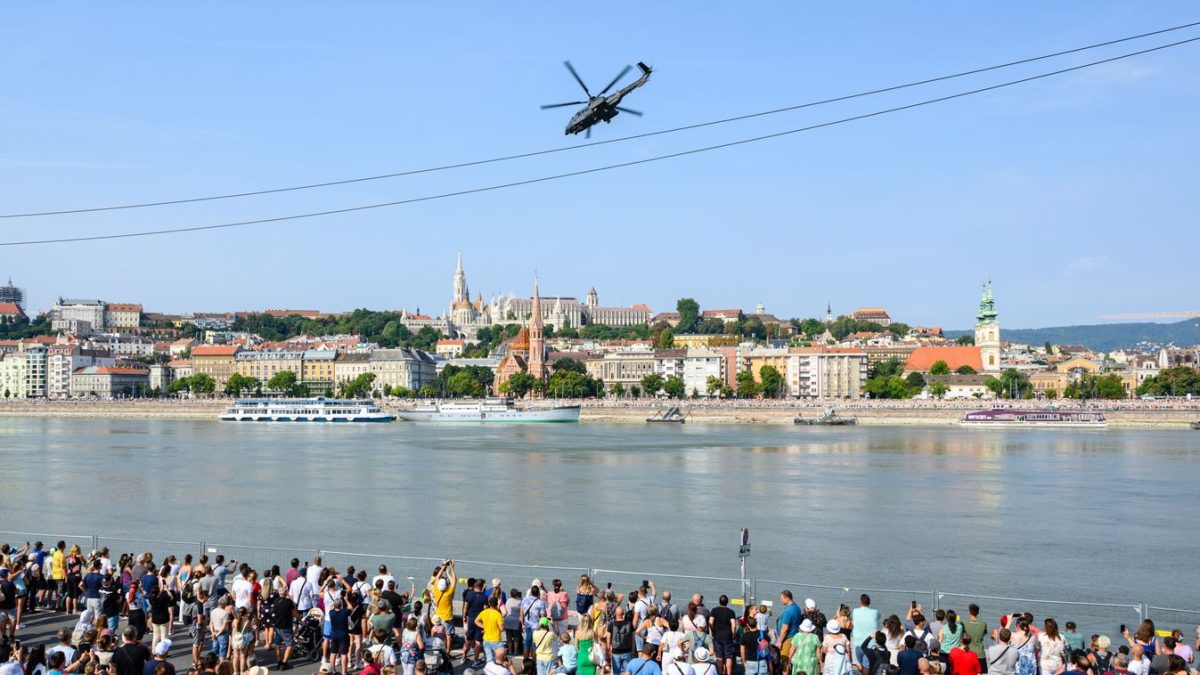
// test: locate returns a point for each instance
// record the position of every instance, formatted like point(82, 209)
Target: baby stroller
point(310, 634)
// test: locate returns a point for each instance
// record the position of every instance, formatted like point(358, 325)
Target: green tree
point(520, 384)
point(771, 382)
point(428, 391)
point(652, 383)
point(746, 386)
point(463, 384)
point(888, 368)
point(965, 370)
point(666, 339)
point(570, 365)
point(689, 315)
point(202, 383)
point(713, 385)
point(887, 386)
point(710, 326)
point(915, 382)
point(1051, 394)
point(965, 340)
point(180, 384)
point(938, 389)
point(635, 391)
point(1010, 384)
point(1049, 349)
point(359, 387)
point(284, 382)
point(939, 367)
point(1096, 386)
point(674, 387)
point(571, 384)
point(238, 383)
point(1176, 381)
point(617, 390)
point(811, 327)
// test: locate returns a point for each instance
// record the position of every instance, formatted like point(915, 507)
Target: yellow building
point(318, 370)
point(216, 361)
point(264, 364)
point(1076, 367)
point(1050, 381)
point(755, 361)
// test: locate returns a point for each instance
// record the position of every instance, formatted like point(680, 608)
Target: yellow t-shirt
point(493, 624)
point(58, 566)
point(443, 601)
point(544, 642)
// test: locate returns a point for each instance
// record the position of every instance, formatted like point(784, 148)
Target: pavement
point(42, 628)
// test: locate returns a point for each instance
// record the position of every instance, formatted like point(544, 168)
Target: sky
point(1076, 195)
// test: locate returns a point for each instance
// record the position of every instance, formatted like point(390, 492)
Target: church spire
point(537, 336)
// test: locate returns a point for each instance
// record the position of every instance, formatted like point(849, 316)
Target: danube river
point(1069, 515)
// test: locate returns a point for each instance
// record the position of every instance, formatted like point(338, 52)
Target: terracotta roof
point(720, 312)
point(521, 341)
point(179, 363)
point(451, 341)
point(124, 307)
point(923, 358)
point(10, 309)
point(644, 308)
point(214, 350)
point(280, 313)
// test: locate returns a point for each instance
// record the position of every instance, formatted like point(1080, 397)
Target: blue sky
point(1077, 195)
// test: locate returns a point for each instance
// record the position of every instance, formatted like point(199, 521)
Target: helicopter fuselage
point(604, 108)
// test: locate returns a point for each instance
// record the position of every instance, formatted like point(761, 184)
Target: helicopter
point(601, 108)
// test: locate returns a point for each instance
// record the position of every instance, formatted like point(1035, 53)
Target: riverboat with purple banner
point(1044, 418)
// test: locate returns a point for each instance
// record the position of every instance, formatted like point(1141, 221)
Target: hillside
point(1107, 336)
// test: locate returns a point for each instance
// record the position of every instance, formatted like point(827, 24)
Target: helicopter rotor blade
point(577, 78)
point(562, 105)
point(615, 80)
point(587, 133)
point(629, 110)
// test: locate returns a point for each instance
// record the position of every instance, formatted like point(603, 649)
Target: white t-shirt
point(242, 590)
point(67, 651)
point(704, 669)
point(386, 578)
point(301, 592)
point(679, 667)
point(493, 668)
point(1140, 667)
point(314, 574)
point(671, 639)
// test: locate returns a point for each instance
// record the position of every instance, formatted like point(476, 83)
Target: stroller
point(310, 634)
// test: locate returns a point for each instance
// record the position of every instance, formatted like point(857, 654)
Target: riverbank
point(1130, 414)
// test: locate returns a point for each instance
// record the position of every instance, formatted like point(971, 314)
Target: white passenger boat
point(1039, 419)
point(490, 410)
point(318, 409)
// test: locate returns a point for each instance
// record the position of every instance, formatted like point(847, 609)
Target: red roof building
point(922, 358)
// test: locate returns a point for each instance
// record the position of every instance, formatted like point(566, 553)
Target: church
point(527, 351)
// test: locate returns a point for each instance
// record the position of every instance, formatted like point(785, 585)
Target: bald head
point(698, 599)
point(666, 596)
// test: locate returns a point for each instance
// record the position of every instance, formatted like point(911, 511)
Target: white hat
point(701, 655)
point(833, 627)
point(700, 621)
point(441, 584)
point(162, 648)
point(809, 603)
point(536, 583)
point(325, 668)
point(496, 582)
point(258, 670)
point(806, 626)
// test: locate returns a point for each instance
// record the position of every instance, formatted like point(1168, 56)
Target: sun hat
point(325, 668)
point(833, 627)
point(701, 655)
point(806, 626)
point(809, 603)
point(437, 620)
point(442, 584)
point(700, 621)
point(257, 670)
point(496, 582)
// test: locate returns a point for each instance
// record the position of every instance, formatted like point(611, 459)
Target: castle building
point(987, 331)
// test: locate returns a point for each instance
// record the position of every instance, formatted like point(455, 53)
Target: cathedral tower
point(537, 339)
point(987, 331)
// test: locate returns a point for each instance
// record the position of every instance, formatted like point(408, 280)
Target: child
point(1073, 638)
point(568, 656)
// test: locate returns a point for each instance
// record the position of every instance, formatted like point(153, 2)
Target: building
point(450, 347)
point(826, 372)
point(283, 313)
point(963, 386)
point(122, 315)
point(670, 362)
point(1078, 367)
point(73, 314)
point(123, 345)
point(725, 315)
point(23, 371)
point(698, 366)
point(180, 347)
point(216, 361)
point(1045, 383)
point(109, 381)
point(263, 364)
point(160, 376)
point(64, 359)
point(11, 294)
point(527, 352)
point(922, 358)
point(697, 341)
point(317, 371)
point(10, 312)
point(347, 367)
point(987, 331)
point(404, 367)
point(626, 368)
point(873, 314)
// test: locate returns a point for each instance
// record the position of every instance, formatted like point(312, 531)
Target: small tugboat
point(672, 414)
point(829, 418)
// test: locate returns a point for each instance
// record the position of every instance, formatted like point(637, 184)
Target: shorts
point(474, 633)
point(786, 652)
point(339, 645)
point(6, 615)
point(725, 649)
point(284, 637)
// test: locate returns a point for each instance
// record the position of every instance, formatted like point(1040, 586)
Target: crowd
point(232, 618)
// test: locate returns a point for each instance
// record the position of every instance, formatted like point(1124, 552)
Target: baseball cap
point(700, 621)
point(441, 584)
point(809, 603)
point(545, 623)
point(162, 648)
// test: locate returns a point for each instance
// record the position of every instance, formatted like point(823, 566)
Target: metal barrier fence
point(1090, 616)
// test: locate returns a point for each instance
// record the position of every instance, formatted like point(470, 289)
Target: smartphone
point(610, 585)
point(645, 583)
point(1122, 629)
point(914, 604)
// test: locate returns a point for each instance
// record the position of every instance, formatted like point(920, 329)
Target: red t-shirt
point(963, 662)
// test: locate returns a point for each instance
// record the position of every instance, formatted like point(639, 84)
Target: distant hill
point(1106, 336)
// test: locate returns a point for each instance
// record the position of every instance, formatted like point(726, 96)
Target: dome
point(521, 342)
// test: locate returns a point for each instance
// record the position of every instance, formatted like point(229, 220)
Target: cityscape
point(554, 346)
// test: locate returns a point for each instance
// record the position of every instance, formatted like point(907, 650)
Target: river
point(1103, 516)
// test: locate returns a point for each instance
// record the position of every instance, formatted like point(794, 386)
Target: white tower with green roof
point(987, 331)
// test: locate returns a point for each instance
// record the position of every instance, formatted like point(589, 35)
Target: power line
point(622, 139)
point(608, 167)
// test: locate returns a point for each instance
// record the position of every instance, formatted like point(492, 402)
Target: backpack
point(434, 653)
point(1103, 663)
point(922, 644)
point(556, 611)
point(189, 593)
point(763, 650)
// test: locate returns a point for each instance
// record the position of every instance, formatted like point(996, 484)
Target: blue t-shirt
point(569, 655)
point(92, 582)
point(791, 616)
point(909, 661)
point(476, 603)
point(641, 666)
point(149, 583)
point(339, 623)
point(535, 609)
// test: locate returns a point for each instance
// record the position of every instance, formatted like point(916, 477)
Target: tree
point(570, 365)
point(360, 386)
point(1010, 384)
point(284, 382)
point(1049, 349)
point(888, 368)
point(727, 391)
point(401, 392)
point(938, 389)
point(689, 314)
point(710, 326)
point(179, 385)
point(428, 391)
point(811, 327)
point(666, 339)
point(1177, 381)
point(202, 383)
point(965, 370)
point(463, 384)
point(238, 383)
point(1051, 394)
point(939, 367)
point(635, 391)
point(772, 381)
point(915, 382)
point(887, 386)
point(520, 384)
point(617, 390)
point(965, 340)
point(1096, 386)
point(746, 386)
point(674, 387)
point(570, 384)
point(652, 383)
point(713, 385)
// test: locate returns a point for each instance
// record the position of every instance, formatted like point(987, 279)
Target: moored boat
point(829, 418)
point(490, 410)
point(1034, 418)
point(672, 414)
point(1196, 425)
point(318, 409)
